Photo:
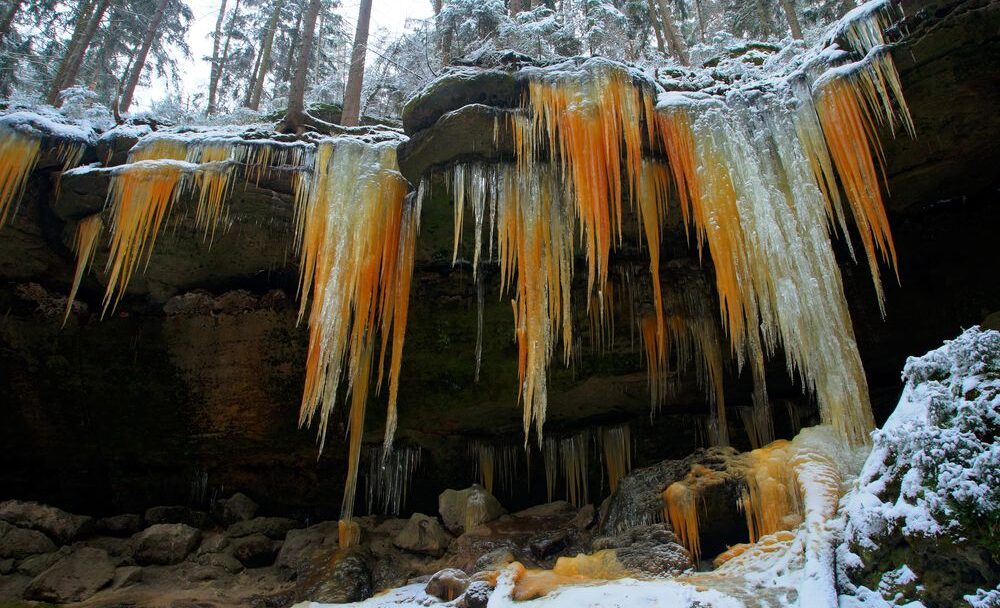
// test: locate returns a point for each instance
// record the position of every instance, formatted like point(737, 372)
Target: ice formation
point(388, 477)
point(357, 238)
point(88, 230)
point(18, 155)
point(756, 177)
point(496, 462)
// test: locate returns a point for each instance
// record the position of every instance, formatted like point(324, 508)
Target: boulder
point(447, 584)
point(164, 544)
point(303, 546)
point(255, 551)
point(7, 566)
point(74, 578)
point(423, 534)
point(477, 595)
point(178, 515)
point(18, 543)
point(462, 510)
point(59, 525)
point(349, 580)
point(213, 543)
point(556, 508)
point(652, 550)
point(584, 518)
point(273, 527)
point(236, 508)
point(124, 525)
point(495, 560)
point(553, 542)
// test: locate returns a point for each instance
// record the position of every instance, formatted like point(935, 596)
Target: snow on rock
point(930, 489)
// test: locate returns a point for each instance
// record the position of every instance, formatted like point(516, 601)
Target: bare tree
point(152, 31)
point(355, 76)
point(213, 79)
point(264, 58)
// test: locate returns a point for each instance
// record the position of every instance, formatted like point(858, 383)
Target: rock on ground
point(273, 527)
point(255, 551)
point(447, 584)
point(423, 534)
point(59, 525)
point(469, 507)
point(165, 544)
point(179, 515)
point(74, 578)
point(18, 543)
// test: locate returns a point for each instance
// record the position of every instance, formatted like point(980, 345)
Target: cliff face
point(192, 387)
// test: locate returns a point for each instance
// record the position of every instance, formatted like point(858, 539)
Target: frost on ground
point(924, 523)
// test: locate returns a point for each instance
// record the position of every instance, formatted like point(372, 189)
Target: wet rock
point(238, 507)
point(548, 544)
point(124, 525)
point(273, 527)
point(178, 515)
point(302, 547)
point(18, 543)
point(255, 551)
point(477, 595)
point(423, 534)
point(447, 584)
point(74, 578)
point(652, 550)
point(127, 576)
point(495, 560)
point(118, 548)
point(59, 525)
point(349, 580)
point(472, 506)
point(165, 544)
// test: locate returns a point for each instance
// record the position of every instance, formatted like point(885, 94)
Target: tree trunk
point(765, 19)
point(701, 20)
point(152, 31)
point(673, 37)
point(793, 19)
point(75, 62)
point(84, 10)
point(446, 33)
point(213, 79)
point(356, 74)
point(7, 20)
point(223, 58)
point(654, 21)
point(295, 116)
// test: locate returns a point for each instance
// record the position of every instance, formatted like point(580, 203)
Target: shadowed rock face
point(193, 385)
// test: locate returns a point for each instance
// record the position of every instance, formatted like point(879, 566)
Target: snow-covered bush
point(924, 522)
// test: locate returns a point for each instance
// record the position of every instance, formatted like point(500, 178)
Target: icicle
point(550, 455)
point(480, 297)
point(682, 501)
point(573, 451)
point(493, 463)
point(84, 241)
point(18, 157)
point(616, 446)
point(358, 239)
point(388, 477)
